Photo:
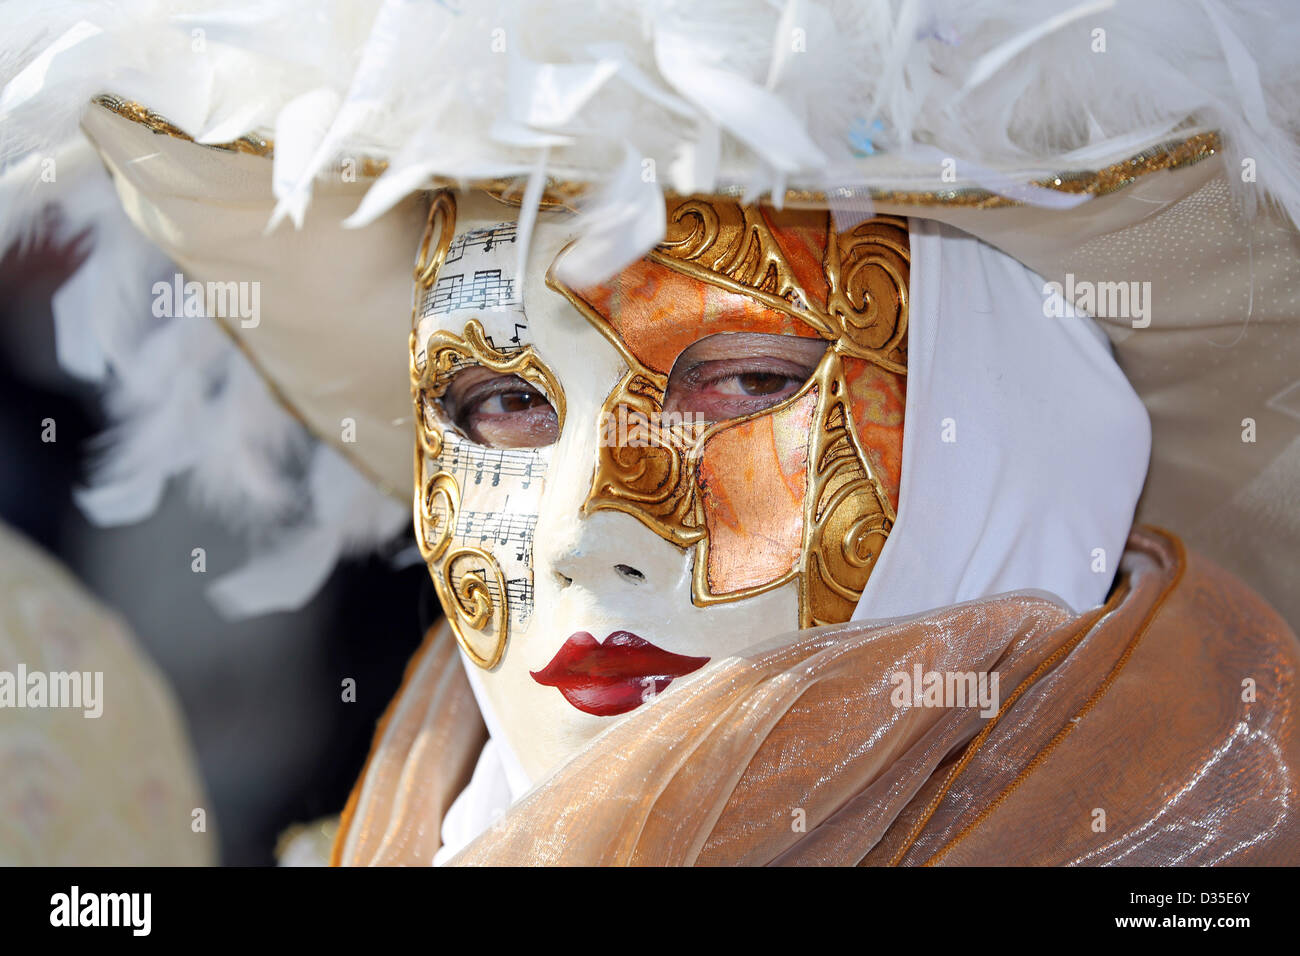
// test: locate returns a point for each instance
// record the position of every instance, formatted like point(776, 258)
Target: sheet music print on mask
point(476, 275)
point(500, 488)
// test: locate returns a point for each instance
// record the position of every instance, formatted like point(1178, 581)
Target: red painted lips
point(612, 678)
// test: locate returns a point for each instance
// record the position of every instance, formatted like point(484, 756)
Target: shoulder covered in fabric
point(1165, 737)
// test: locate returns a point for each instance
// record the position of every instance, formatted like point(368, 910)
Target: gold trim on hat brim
point(1169, 155)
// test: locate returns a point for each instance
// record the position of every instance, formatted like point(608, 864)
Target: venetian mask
point(616, 484)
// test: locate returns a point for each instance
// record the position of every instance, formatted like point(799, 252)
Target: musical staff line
point(519, 591)
point(488, 239)
point(486, 289)
point(471, 464)
point(501, 527)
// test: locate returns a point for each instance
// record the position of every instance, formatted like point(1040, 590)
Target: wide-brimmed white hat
point(285, 145)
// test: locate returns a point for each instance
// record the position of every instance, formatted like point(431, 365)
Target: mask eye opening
point(497, 409)
point(731, 375)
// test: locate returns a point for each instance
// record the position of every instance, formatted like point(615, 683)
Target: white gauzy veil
point(1024, 446)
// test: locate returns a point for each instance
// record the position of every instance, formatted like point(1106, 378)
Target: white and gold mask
point(616, 484)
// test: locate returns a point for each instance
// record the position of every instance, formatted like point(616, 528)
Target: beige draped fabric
point(1157, 729)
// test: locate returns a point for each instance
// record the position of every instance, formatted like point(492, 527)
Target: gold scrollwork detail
point(848, 514)
point(441, 222)
point(867, 270)
point(428, 427)
point(651, 476)
point(651, 480)
point(470, 602)
point(725, 240)
point(477, 597)
point(469, 581)
point(440, 521)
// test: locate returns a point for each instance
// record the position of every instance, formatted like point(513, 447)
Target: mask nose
point(630, 573)
point(574, 565)
point(597, 551)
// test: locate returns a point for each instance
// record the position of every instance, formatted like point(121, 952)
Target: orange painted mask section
point(657, 312)
point(878, 399)
point(753, 482)
point(741, 500)
point(801, 234)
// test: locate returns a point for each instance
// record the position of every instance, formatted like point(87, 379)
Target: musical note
point(502, 527)
point(465, 525)
point(485, 238)
point(520, 593)
point(471, 278)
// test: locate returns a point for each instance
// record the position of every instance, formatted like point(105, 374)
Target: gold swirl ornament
point(847, 512)
point(468, 581)
point(469, 601)
point(474, 601)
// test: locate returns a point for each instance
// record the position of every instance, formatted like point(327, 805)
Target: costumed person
point(792, 390)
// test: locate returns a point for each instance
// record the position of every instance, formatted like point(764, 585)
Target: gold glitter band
point(1170, 155)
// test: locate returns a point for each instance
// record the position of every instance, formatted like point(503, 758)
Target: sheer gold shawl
point(1157, 729)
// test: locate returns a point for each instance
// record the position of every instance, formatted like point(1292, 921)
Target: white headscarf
point(1024, 446)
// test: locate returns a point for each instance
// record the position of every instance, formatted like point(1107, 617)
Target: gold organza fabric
point(423, 755)
point(1157, 729)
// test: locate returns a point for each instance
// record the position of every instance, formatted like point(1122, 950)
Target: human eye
point(499, 410)
point(731, 375)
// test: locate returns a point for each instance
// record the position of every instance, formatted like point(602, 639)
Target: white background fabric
point(1051, 442)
